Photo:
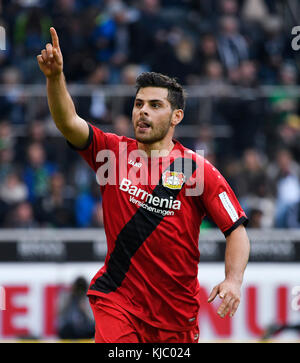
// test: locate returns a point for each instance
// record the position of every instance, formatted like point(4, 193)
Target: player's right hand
point(50, 60)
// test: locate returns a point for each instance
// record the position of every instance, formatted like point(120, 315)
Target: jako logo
point(134, 163)
point(2, 38)
point(295, 42)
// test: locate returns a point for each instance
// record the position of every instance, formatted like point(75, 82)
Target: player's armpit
point(77, 133)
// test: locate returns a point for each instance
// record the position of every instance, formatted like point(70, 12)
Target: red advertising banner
point(270, 296)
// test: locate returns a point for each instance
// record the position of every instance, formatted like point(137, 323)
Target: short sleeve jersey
point(152, 211)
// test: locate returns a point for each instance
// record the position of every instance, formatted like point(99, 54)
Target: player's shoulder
point(111, 137)
point(120, 138)
point(206, 167)
point(198, 156)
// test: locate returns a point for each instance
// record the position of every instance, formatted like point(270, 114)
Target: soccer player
point(148, 290)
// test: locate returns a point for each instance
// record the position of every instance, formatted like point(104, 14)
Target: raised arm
point(61, 106)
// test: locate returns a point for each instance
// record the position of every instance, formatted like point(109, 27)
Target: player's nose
point(144, 110)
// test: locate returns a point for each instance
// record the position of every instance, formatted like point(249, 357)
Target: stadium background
point(241, 74)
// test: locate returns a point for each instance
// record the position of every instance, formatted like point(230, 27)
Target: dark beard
point(160, 135)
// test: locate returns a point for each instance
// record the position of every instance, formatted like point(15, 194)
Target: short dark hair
point(176, 93)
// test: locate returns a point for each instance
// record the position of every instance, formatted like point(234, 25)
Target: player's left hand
point(230, 292)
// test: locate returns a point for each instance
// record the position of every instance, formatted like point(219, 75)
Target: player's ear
point(177, 116)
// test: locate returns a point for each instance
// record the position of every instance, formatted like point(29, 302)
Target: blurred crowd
point(244, 44)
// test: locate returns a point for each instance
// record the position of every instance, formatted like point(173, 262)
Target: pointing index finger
point(54, 37)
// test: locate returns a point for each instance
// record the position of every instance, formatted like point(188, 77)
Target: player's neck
point(158, 149)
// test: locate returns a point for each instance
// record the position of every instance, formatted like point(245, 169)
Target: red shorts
point(113, 324)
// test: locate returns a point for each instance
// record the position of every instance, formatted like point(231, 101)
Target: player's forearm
point(60, 103)
point(236, 254)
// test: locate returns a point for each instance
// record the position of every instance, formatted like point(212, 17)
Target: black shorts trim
point(243, 220)
point(88, 143)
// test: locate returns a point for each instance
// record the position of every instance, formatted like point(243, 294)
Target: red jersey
point(152, 228)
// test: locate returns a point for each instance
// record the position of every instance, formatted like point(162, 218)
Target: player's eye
point(155, 105)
